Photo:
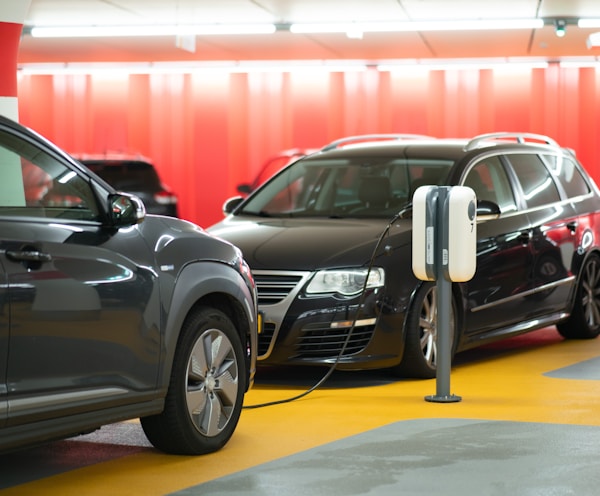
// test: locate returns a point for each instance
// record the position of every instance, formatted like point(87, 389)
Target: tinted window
point(568, 174)
point(536, 181)
point(489, 181)
point(36, 184)
point(126, 176)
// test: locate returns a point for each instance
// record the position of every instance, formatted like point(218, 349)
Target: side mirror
point(487, 210)
point(125, 210)
point(244, 188)
point(231, 204)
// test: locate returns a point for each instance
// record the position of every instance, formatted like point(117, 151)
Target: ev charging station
point(444, 249)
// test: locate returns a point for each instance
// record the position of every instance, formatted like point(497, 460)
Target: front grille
point(274, 287)
point(265, 338)
point(321, 341)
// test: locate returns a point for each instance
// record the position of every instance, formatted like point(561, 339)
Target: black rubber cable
point(360, 303)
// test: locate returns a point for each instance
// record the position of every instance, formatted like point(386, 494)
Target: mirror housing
point(231, 204)
point(125, 210)
point(487, 210)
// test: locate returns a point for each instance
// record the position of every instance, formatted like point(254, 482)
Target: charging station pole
point(444, 304)
point(444, 250)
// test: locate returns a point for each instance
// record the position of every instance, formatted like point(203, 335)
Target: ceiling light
point(149, 30)
point(588, 23)
point(560, 26)
point(509, 63)
point(593, 40)
point(454, 25)
point(191, 67)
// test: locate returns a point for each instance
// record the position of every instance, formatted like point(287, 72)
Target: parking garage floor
point(528, 424)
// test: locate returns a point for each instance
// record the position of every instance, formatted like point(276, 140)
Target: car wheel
point(584, 322)
point(206, 390)
point(420, 348)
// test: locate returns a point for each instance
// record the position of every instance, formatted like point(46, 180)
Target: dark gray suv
point(111, 314)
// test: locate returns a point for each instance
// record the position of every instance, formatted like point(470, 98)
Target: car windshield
point(345, 187)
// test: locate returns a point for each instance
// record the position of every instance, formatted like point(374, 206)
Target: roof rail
point(518, 137)
point(372, 137)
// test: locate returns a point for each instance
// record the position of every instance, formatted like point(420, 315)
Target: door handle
point(28, 256)
point(572, 226)
point(525, 237)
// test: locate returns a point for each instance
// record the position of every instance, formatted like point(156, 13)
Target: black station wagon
point(329, 242)
point(111, 314)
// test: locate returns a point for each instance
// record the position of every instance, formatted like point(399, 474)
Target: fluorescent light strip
point(588, 23)
point(149, 30)
point(455, 25)
point(127, 68)
point(458, 64)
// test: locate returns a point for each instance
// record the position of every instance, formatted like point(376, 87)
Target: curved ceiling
point(285, 45)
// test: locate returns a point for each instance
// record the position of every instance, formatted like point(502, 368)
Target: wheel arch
point(216, 285)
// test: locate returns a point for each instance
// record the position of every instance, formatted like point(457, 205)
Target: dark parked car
point(136, 175)
point(312, 231)
point(111, 314)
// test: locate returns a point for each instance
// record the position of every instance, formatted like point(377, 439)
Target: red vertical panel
point(435, 107)
point(487, 115)
point(336, 116)
point(385, 103)
point(569, 110)
point(551, 122)
point(511, 97)
point(470, 87)
point(537, 97)
point(207, 175)
point(139, 101)
point(587, 103)
point(36, 99)
point(109, 112)
point(309, 108)
point(410, 99)
point(238, 122)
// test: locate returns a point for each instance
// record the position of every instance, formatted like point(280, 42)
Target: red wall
point(208, 132)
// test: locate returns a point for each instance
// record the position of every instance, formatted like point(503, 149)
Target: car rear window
point(127, 176)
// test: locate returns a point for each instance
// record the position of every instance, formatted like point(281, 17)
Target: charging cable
point(333, 366)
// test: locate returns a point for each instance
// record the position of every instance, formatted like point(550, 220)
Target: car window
point(535, 179)
point(489, 181)
point(36, 184)
point(126, 175)
point(567, 172)
point(361, 186)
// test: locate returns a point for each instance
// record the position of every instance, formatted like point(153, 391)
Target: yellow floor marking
point(506, 385)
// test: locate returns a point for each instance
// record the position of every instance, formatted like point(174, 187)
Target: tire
point(206, 389)
point(420, 348)
point(584, 322)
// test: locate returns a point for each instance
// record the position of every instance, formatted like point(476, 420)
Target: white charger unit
point(455, 235)
point(461, 250)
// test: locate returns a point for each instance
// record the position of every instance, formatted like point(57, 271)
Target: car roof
point(448, 148)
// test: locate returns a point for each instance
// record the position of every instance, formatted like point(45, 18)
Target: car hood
point(307, 244)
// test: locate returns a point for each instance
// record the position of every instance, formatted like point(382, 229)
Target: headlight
point(345, 281)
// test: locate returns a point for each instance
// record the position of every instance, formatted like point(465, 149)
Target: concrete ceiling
point(284, 45)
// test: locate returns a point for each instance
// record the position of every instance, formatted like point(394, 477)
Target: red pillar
point(12, 16)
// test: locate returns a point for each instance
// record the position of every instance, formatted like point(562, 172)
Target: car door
point(84, 306)
point(497, 292)
point(554, 222)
